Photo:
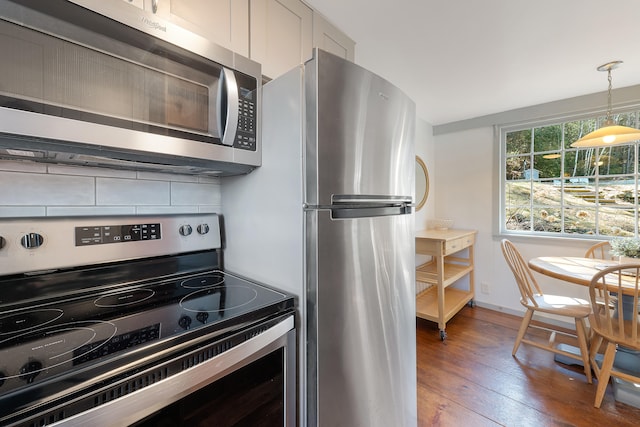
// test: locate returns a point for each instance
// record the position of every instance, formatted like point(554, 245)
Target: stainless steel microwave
point(104, 83)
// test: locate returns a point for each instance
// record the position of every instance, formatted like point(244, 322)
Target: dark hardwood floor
point(471, 379)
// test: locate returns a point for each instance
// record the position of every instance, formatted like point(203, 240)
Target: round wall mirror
point(422, 183)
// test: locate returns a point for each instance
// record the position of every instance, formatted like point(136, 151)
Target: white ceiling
point(460, 59)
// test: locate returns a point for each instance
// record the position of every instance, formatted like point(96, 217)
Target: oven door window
point(250, 396)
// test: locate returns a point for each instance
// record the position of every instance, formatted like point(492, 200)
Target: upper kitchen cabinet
point(223, 22)
point(327, 37)
point(278, 34)
point(281, 34)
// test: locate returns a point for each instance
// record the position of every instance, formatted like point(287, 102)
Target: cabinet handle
point(154, 5)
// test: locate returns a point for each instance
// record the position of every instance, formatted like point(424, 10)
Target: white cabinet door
point(223, 22)
point(136, 3)
point(329, 38)
point(281, 34)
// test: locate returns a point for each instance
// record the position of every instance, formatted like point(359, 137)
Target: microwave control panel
point(247, 113)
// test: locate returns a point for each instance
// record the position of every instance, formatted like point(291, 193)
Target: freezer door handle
point(351, 199)
point(363, 205)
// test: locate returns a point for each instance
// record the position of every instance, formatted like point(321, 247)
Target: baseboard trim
point(536, 317)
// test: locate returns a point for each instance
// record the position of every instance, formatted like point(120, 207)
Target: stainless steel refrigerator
point(328, 216)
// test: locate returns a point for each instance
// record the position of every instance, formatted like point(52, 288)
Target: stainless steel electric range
point(131, 320)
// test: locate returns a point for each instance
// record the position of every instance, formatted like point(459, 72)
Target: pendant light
point(610, 133)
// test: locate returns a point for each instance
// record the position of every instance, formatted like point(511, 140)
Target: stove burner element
point(214, 300)
point(52, 346)
point(120, 299)
point(31, 319)
point(214, 279)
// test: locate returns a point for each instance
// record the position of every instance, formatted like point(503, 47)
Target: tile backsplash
point(30, 189)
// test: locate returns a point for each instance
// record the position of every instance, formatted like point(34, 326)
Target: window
point(549, 188)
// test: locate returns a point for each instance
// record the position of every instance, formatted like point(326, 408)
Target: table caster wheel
point(443, 335)
point(471, 303)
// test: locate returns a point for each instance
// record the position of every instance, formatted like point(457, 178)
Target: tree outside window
point(550, 188)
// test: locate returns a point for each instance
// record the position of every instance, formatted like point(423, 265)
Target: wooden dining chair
point(601, 250)
point(534, 300)
point(617, 326)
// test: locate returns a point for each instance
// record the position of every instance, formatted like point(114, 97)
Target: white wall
point(425, 150)
point(466, 192)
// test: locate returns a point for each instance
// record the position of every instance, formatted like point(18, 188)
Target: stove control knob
point(185, 230)
point(184, 322)
point(3, 376)
point(2, 242)
point(32, 240)
point(203, 228)
point(202, 316)
point(30, 371)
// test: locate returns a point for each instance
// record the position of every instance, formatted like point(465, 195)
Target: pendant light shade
point(610, 133)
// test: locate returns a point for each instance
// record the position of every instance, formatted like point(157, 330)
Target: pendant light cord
point(608, 119)
point(609, 133)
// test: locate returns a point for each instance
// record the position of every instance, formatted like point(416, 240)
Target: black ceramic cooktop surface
point(79, 322)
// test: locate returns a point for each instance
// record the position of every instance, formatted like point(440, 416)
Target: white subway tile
point(210, 209)
point(30, 189)
point(195, 194)
point(209, 180)
point(161, 210)
point(22, 166)
point(22, 211)
point(90, 210)
point(90, 171)
point(129, 192)
point(159, 176)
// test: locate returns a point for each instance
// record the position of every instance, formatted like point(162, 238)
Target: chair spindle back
point(527, 283)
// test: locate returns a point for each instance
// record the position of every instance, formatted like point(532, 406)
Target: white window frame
point(502, 132)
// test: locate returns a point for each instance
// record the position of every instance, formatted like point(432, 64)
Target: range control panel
point(48, 243)
point(103, 234)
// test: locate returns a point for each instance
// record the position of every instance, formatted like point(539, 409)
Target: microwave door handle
point(227, 107)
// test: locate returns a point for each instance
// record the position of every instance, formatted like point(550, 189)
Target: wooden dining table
point(575, 269)
point(571, 269)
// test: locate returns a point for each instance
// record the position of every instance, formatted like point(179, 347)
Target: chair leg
point(581, 332)
point(523, 329)
point(605, 373)
point(594, 346)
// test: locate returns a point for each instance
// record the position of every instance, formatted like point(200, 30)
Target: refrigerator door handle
point(368, 211)
point(353, 199)
point(346, 206)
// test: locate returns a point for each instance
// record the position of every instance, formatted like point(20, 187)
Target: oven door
point(252, 383)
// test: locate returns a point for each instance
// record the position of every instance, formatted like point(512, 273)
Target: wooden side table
point(440, 302)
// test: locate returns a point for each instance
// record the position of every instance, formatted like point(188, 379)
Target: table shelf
point(454, 300)
point(428, 272)
point(440, 302)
